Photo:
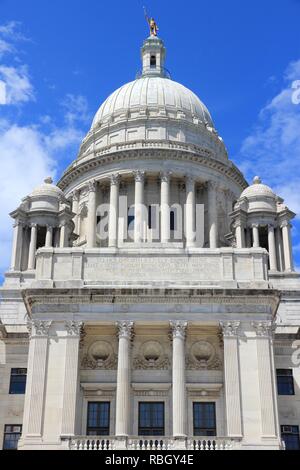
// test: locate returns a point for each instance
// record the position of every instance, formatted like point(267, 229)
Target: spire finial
point(152, 24)
point(256, 180)
point(48, 180)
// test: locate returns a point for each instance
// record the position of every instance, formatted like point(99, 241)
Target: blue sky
point(60, 59)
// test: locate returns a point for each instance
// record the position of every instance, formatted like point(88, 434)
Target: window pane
point(12, 434)
point(285, 382)
point(205, 419)
point(290, 438)
point(17, 381)
point(98, 419)
point(151, 419)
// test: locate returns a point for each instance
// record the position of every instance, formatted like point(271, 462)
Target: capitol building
point(152, 300)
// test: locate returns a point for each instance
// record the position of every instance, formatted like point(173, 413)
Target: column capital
point(178, 329)
point(255, 225)
point(271, 226)
point(212, 185)
point(74, 328)
point(75, 195)
point(38, 328)
point(115, 179)
point(264, 329)
point(92, 186)
point(285, 223)
point(33, 225)
point(125, 329)
point(19, 223)
point(49, 227)
point(230, 329)
point(139, 176)
point(165, 176)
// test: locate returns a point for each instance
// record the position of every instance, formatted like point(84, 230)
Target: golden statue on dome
point(152, 24)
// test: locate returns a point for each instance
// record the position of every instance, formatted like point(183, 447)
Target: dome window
point(153, 62)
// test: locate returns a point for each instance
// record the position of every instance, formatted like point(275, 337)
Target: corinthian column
point(232, 379)
point(125, 332)
point(32, 247)
point(71, 381)
point(287, 246)
point(255, 233)
point(114, 211)
point(75, 210)
point(36, 377)
point(91, 221)
point(190, 212)
point(213, 214)
point(178, 368)
point(139, 221)
point(49, 236)
point(165, 207)
point(17, 246)
point(272, 248)
point(266, 374)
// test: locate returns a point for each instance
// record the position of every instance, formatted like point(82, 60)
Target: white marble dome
point(260, 196)
point(160, 94)
point(46, 196)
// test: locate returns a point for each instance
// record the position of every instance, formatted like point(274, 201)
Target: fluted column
point(92, 220)
point(49, 237)
point(190, 212)
point(272, 248)
point(268, 394)
point(213, 214)
point(114, 210)
point(248, 237)
point(75, 210)
point(279, 246)
point(139, 211)
point(63, 235)
point(232, 379)
point(32, 247)
point(71, 379)
point(178, 380)
point(165, 207)
point(36, 378)
point(125, 332)
point(287, 246)
point(17, 246)
point(240, 235)
point(255, 232)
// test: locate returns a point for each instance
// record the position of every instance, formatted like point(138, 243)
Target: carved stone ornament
point(230, 329)
point(203, 356)
point(74, 328)
point(264, 329)
point(125, 329)
point(100, 356)
point(38, 328)
point(151, 356)
point(178, 329)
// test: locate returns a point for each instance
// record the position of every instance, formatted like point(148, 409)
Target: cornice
point(175, 152)
point(108, 296)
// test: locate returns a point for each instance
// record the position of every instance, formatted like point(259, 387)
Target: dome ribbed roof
point(258, 189)
point(157, 93)
point(47, 189)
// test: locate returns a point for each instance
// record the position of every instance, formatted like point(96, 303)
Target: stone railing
point(152, 444)
point(223, 267)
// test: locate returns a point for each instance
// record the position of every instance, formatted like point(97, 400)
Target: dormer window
point(153, 61)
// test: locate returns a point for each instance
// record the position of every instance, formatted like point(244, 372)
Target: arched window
point(153, 61)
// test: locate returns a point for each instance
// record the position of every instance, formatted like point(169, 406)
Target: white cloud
point(272, 150)
point(76, 109)
point(24, 164)
point(17, 82)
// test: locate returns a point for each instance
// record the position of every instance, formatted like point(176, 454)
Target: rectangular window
point(12, 434)
point(98, 419)
point(172, 221)
point(17, 381)
point(151, 419)
point(290, 436)
point(285, 382)
point(205, 419)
